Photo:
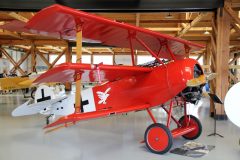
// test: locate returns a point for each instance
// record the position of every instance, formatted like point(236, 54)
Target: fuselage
point(154, 88)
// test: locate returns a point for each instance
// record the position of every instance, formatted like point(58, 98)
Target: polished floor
point(116, 137)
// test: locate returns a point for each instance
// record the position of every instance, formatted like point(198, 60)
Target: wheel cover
point(157, 139)
point(190, 122)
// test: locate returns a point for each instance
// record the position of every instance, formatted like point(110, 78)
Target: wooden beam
point(214, 28)
point(199, 56)
point(54, 42)
point(43, 58)
point(12, 34)
point(193, 23)
point(222, 57)
point(110, 50)
point(213, 43)
point(86, 50)
point(236, 28)
point(234, 59)
point(18, 17)
point(33, 58)
point(176, 29)
point(12, 61)
point(58, 57)
point(23, 58)
point(231, 12)
point(232, 77)
point(137, 19)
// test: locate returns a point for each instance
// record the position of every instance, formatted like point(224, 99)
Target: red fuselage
point(154, 88)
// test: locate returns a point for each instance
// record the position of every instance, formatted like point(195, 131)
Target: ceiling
point(172, 23)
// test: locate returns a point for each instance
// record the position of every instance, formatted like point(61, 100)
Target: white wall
point(105, 59)
point(144, 59)
point(123, 59)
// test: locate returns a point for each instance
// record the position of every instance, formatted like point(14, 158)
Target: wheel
point(192, 121)
point(158, 138)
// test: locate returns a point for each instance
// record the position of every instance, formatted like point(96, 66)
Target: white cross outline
point(103, 96)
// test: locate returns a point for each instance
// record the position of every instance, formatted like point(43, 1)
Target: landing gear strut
point(48, 118)
point(159, 138)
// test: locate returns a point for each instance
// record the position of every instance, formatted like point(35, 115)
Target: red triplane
point(127, 88)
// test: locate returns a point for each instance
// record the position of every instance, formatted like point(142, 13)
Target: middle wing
point(90, 73)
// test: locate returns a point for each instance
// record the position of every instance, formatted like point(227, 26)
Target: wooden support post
point(68, 85)
point(206, 56)
point(33, 58)
point(78, 75)
point(222, 58)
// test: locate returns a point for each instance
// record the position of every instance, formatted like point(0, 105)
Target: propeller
point(211, 76)
point(201, 80)
point(196, 81)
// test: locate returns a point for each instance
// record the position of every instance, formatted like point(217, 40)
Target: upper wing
point(72, 118)
point(90, 73)
point(61, 21)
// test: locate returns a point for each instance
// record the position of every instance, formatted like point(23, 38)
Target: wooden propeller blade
point(196, 81)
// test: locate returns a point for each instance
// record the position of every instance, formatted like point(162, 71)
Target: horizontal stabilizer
point(35, 108)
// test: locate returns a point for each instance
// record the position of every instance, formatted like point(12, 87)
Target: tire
point(191, 120)
point(158, 138)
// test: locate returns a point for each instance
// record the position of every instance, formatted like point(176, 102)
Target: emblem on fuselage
point(103, 96)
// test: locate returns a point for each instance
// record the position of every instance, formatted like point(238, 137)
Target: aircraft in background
point(47, 102)
point(125, 88)
point(18, 82)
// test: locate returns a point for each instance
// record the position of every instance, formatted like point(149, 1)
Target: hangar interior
point(119, 137)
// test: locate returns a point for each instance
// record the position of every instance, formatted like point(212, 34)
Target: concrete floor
point(115, 137)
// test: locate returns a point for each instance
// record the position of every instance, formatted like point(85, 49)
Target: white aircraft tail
point(47, 103)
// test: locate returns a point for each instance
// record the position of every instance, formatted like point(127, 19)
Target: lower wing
point(75, 117)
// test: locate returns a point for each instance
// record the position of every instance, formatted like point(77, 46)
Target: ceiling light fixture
point(206, 32)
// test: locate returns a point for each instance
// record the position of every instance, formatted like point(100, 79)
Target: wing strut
point(78, 75)
point(149, 50)
point(170, 52)
point(132, 49)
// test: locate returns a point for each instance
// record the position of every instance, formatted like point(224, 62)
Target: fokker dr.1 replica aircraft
point(124, 89)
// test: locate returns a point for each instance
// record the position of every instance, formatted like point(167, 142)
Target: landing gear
point(51, 116)
point(190, 120)
point(158, 138)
